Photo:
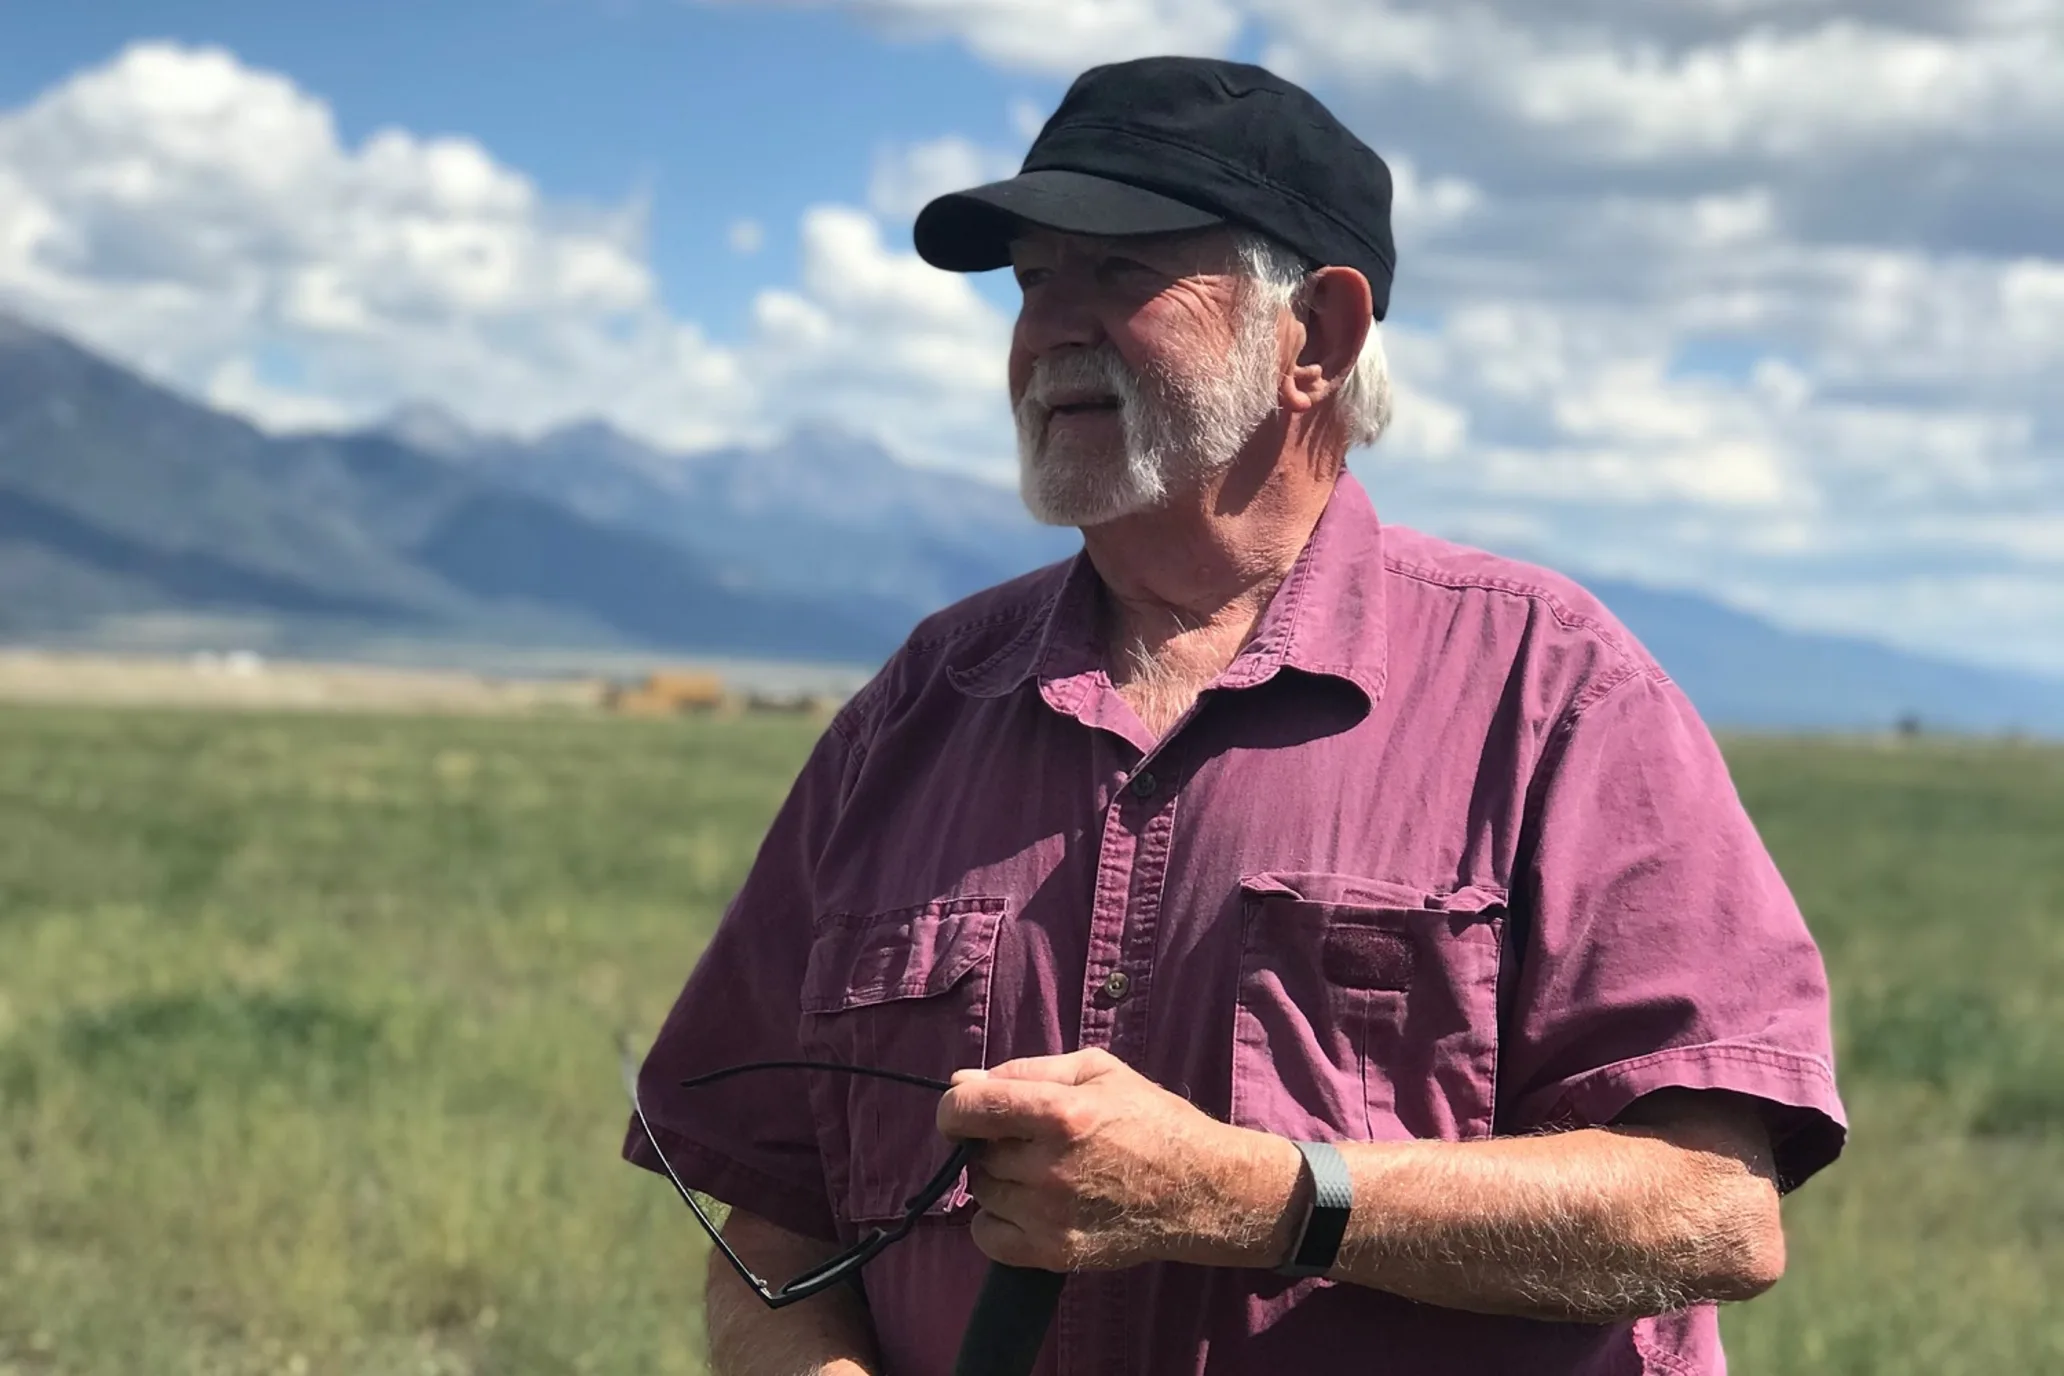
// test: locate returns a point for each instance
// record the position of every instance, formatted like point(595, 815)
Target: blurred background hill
point(128, 512)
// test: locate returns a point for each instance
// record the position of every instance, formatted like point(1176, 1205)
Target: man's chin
point(1065, 494)
point(1067, 509)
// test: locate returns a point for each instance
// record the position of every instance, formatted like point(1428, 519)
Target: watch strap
point(1318, 1246)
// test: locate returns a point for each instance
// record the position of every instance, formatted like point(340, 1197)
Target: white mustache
point(1100, 369)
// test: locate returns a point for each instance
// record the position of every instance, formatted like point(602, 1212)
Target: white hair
point(1362, 405)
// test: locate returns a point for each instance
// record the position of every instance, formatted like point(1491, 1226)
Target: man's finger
point(1004, 1199)
point(1004, 1241)
point(1015, 1160)
point(993, 1107)
point(1077, 1067)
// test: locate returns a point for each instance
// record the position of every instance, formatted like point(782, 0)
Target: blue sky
point(710, 114)
point(1754, 297)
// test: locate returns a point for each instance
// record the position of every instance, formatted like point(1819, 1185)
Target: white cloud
point(1027, 119)
point(1055, 37)
point(236, 386)
point(887, 345)
point(1756, 298)
point(173, 205)
point(908, 176)
point(199, 218)
point(746, 237)
point(1766, 298)
point(1763, 298)
point(1617, 91)
point(1933, 610)
point(1423, 207)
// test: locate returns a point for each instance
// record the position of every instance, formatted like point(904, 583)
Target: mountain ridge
point(119, 491)
point(119, 498)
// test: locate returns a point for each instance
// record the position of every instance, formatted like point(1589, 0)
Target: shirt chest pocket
point(905, 989)
point(1367, 1010)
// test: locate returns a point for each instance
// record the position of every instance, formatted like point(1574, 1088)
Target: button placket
point(1131, 1013)
point(1081, 1331)
point(1117, 852)
point(1132, 864)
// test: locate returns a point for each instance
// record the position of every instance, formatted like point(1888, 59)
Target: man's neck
point(1185, 585)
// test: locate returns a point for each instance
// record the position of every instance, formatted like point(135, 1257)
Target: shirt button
point(1117, 985)
point(1144, 783)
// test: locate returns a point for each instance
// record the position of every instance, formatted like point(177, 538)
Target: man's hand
point(1092, 1166)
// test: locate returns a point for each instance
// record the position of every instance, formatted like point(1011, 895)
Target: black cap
point(1175, 143)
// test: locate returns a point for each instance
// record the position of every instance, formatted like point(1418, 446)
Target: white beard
point(1181, 427)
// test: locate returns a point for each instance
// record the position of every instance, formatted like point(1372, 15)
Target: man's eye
point(1030, 277)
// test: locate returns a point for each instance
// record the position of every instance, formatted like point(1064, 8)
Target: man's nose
point(1060, 314)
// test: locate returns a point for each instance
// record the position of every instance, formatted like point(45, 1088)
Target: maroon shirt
point(1441, 854)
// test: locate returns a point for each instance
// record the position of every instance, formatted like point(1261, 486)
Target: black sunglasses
point(846, 1265)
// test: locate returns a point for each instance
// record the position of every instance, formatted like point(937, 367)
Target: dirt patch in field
point(247, 681)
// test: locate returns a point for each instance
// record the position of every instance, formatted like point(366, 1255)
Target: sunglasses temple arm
point(837, 1268)
point(846, 1266)
point(745, 1273)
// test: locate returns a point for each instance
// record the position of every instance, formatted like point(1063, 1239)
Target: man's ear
point(1337, 313)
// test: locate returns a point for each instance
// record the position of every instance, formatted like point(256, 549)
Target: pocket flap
point(1352, 891)
point(903, 953)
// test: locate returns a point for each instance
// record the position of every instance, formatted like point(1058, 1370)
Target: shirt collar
point(1058, 639)
point(1328, 617)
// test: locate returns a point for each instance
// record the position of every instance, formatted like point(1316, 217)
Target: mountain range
point(123, 504)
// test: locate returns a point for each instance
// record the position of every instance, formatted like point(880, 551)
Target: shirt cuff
point(1808, 1126)
point(798, 1208)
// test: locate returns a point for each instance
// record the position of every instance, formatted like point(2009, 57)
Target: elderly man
point(1347, 948)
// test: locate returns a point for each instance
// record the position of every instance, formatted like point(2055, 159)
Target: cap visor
point(970, 231)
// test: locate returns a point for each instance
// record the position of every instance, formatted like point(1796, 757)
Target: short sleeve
point(751, 1142)
point(1658, 947)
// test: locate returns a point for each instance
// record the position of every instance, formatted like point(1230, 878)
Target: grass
point(306, 1062)
point(1933, 876)
point(306, 1028)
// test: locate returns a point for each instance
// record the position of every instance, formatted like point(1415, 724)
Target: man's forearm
point(1599, 1224)
point(1087, 1164)
point(825, 1335)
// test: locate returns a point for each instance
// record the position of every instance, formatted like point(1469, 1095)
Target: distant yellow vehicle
point(669, 693)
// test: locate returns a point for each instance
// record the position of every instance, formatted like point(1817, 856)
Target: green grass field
point(306, 1056)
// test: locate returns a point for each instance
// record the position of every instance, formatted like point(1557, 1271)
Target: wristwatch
point(1332, 1201)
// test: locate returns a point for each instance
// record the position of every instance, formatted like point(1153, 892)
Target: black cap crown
point(1165, 144)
